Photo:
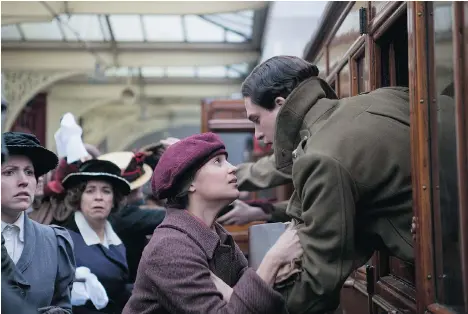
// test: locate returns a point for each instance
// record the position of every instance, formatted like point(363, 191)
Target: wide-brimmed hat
point(182, 158)
point(28, 145)
point(95, 169)
point(132, 167)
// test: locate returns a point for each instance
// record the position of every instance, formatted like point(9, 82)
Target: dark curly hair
point(276, 77)
point(73, 198)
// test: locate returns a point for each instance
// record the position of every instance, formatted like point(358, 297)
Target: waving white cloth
point(90, 289)
point(68, 139)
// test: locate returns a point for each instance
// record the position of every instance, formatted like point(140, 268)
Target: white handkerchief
point(91, 289)
point(68, 139)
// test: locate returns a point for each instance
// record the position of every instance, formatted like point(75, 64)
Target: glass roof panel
point(87, 27)
point(214, 71)
point(228, 27)
point(200, 30)
point(163, 27)
point(104, 27)
point(241, 67)
point(10, 32)
point(180, 71)
point(233, 73)
point(234, 21)
point(152, 71)
point(234, 38)
point(247, 13)
point(127, 27)
point(122, 72)
point(42, 31)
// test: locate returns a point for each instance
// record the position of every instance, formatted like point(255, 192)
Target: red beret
point(189, 154)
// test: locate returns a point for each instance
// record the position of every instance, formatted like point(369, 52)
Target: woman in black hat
point(93, 193)
point(43, 255)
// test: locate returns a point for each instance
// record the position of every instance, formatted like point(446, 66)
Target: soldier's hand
point(242, 214)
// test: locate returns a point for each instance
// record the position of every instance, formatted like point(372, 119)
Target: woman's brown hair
point(73, 198)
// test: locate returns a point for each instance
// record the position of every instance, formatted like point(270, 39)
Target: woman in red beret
point(192, 264)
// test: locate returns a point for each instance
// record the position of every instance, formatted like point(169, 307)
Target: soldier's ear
point(279, 101)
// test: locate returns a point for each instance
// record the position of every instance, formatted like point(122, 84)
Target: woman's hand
point(286, 248)
point(222, 287)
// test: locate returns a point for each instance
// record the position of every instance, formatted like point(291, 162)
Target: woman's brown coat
point(174, 273)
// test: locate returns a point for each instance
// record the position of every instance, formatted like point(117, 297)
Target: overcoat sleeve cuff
point(257, 296)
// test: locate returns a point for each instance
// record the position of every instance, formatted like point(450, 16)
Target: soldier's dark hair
point(276, 77)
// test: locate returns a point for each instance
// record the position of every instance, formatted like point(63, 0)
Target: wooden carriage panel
point(225, 116)
point(420, 149)
point(447, 131)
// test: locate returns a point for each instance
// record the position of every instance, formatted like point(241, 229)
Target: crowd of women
point(74, 230)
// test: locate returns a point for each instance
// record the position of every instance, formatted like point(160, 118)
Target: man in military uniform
point(350, 166)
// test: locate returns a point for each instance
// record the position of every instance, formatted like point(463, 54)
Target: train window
point(362, 75)
point(345, 83)
point(393, 46)
point(320, 63)
point(403, 270)
point(448, 263)
point(345, 36)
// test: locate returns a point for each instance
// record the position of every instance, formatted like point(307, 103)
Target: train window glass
point(320, 63)
point(346, 35)
point(362, 75)
point(449, 282)
point(393, 46)
point(402, 270)
point(345, 82)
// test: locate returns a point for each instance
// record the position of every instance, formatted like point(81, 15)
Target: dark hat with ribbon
point(28, 145)
point(64, 169)
point(132, 167)
point(153, 153)
point(182, 159)
point(95, 169)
